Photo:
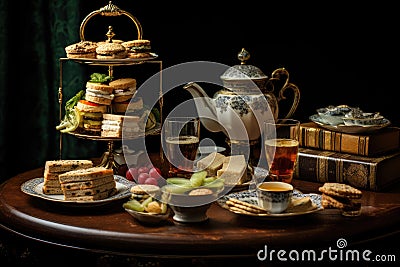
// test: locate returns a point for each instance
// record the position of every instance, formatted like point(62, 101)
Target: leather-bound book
point(369, 173)
point(369, 144)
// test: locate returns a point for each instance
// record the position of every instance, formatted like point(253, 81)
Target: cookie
point(233, 202)
point(340, 190)
point(200, 192)
point(339, 203)
point(145, 189)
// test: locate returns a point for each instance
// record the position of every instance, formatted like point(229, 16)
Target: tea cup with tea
point(274, 196)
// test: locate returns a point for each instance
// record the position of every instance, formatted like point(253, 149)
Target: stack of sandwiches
point(88, 184)
point(114, 125)
point(105, 96)
point(123, 89)
point(54, 168)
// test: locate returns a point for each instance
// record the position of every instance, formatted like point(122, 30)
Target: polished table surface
point(110, 229)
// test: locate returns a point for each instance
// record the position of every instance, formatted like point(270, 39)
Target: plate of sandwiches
point(78, 183)
point(245, 203)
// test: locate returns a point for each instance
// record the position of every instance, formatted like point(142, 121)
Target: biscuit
point(242, 211)
point(200, 192)
point(144, 189)
point(339, 203)
point(233, 202)
point(340, 190)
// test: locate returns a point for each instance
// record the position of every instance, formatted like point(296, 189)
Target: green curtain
point(32, 40)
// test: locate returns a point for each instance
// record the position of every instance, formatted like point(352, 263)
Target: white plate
point(34, 188)
point(351, 129)
point(250, 197)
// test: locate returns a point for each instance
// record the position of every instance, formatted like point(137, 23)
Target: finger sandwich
point(89, 184)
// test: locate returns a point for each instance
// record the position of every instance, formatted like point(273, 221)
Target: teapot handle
point(277, 76)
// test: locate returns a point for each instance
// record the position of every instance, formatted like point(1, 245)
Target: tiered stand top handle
point(110, 10)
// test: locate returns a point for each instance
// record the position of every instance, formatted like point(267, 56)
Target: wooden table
point(109, 233)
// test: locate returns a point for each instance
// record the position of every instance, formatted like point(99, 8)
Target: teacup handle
point(277, 76)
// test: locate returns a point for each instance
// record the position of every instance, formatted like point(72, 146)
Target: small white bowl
point(190, 214)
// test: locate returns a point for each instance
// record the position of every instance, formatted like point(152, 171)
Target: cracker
point(239, 210)
point(340, 190)
point(339, 203)
point(233, 202)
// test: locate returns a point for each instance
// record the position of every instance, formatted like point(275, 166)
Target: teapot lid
point(243, 71)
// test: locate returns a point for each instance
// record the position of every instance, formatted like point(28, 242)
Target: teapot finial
point(243, 56)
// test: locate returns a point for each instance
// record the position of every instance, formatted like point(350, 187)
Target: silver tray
point(351, 129)
point(34, 188)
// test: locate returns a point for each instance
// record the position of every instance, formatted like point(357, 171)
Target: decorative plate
point(351, 129)
point(250, 197)
point(34, 188)
point(116, 61)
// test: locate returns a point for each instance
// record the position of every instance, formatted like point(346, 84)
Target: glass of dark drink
point(281, 146)
point(181, 137)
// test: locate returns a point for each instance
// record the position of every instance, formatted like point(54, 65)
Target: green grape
point(176, 189)
point(197, 178)
point(208, 180)
point(216, 184)
point(178, 181)
point(146, 202)
point(133, 204)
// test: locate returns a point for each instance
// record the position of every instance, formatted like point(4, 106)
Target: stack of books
point(368, 161)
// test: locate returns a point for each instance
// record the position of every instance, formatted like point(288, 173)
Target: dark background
point(337, 52)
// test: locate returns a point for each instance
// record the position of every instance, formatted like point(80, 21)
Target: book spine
point(334, 141)
point(326, 166)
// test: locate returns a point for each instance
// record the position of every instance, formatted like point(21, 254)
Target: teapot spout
point(205, 107)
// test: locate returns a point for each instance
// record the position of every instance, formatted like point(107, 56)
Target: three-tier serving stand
point(111, 10)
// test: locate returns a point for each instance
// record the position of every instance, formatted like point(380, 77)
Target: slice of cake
point(53, 169)
point(89, 184)
point(234, 170)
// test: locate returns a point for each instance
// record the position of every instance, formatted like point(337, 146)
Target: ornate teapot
point(245, 101)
